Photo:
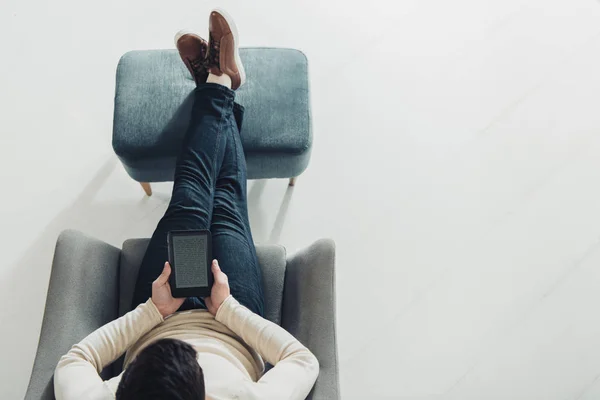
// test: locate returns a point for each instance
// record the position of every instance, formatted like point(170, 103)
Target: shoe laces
point(214, 53)
point(197, 65)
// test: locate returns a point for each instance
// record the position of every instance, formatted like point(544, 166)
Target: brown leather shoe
point(223, 55)
point(193, 49)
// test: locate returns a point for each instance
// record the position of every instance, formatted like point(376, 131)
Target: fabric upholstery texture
point(153, 106)
point(84, 276)
point(92, 283)
point(309, 311)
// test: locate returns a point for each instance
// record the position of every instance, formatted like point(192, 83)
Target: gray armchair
point(92, 284)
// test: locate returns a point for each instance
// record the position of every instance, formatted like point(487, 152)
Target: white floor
point(456, 163)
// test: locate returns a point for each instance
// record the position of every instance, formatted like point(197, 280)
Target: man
point(198, 348)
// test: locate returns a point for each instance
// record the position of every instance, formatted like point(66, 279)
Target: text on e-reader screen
point(190, 261)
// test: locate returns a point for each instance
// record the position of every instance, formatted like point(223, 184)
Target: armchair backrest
point(272, 260)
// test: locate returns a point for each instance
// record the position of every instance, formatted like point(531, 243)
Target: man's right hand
point(219, 291)
point(161, 294)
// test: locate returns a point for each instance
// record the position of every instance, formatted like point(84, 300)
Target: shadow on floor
point(24, 286)
point(261, 231)
point(28, 279)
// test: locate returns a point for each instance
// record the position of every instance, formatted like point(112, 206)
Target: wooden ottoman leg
point(147, 188)
point(293, 181)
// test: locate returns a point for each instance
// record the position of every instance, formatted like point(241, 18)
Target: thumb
point(219, 275)
point(215, 267)
point(164, 276)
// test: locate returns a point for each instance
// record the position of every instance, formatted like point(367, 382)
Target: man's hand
point(161, 294)
point(219, 291)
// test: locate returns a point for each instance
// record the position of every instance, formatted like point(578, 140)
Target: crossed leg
point(209, 192)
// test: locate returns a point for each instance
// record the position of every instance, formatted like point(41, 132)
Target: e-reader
point(190, 256)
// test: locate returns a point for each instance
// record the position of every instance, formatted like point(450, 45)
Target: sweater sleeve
point(295, 367)
point(77, 373)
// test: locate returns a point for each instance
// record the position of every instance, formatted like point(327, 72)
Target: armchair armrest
point(309, 311)
point(82, 296)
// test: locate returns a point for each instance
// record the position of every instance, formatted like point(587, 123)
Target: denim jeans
point(209, 192)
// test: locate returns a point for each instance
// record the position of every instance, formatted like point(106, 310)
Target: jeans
point(209, 192)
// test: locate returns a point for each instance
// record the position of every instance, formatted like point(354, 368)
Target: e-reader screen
point(191, 269)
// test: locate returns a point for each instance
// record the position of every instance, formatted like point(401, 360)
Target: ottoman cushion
point(153, 105)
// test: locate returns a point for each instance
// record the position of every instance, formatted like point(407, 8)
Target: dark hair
point(165, 370)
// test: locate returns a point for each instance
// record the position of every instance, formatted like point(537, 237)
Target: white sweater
point(229, 346)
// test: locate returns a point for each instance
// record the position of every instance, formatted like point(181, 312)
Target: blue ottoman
point(153, 106)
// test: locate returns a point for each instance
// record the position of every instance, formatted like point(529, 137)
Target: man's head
point(167, 370)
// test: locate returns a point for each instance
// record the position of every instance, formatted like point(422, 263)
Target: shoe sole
point(236, 53)
point(184, 32)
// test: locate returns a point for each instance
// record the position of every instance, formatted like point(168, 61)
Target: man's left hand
point(161, 293)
